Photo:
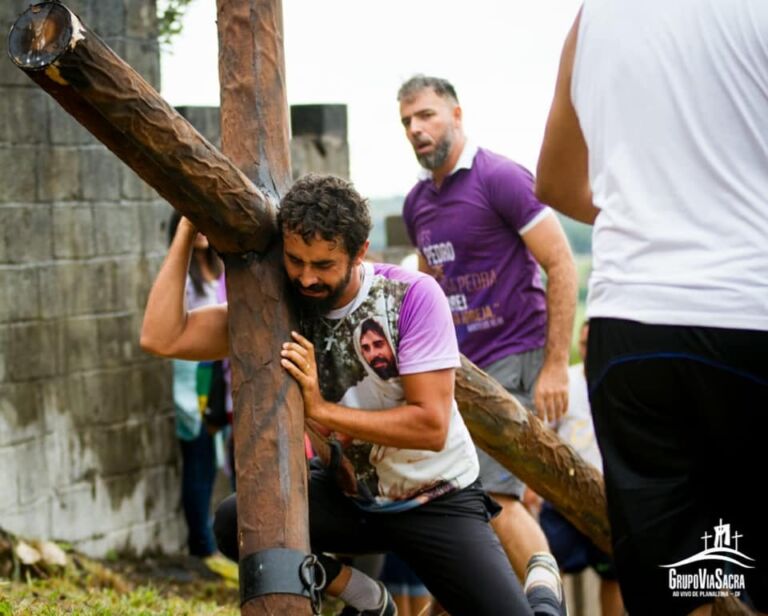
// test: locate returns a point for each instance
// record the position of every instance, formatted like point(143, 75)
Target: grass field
point(163, 585)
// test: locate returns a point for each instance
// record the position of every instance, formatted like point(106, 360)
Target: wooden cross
point(232, 199)
point(219, 194)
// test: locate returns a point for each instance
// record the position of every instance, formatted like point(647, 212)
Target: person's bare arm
point(421, 423)
point(562, 179)
point(549, 246)
point(168, 329)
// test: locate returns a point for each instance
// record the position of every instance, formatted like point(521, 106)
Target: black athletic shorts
point(681, 417)
point(448, 543)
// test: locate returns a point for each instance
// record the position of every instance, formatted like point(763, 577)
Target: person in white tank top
point(658, 135)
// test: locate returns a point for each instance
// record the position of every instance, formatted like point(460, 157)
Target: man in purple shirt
point(482, 234)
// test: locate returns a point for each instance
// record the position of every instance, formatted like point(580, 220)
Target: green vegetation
point(42, 579)
point(170, 14)
point(155, 585)
point(579, 235)
point(62, 596)
point(55, 597)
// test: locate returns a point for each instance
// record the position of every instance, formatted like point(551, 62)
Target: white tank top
point(672, 97)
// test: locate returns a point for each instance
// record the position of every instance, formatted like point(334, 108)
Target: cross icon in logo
point(736, 536)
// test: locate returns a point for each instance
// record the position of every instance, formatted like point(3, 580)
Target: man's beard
point(386, 370)
point(319, 306)
point(436, 158)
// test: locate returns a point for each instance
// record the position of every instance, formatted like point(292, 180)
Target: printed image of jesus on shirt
point(358, 369)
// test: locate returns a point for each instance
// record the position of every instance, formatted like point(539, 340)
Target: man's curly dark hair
point(372, 325)
point(328, 207)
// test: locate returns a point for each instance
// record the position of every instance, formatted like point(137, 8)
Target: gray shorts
point(517, 374)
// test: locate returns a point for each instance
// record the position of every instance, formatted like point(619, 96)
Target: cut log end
point(41, 34)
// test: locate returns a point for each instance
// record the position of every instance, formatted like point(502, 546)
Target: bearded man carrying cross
point(415, 490)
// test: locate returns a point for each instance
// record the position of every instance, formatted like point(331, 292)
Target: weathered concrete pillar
point(319, 140)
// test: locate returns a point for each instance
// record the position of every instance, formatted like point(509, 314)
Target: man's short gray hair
point(417, 83)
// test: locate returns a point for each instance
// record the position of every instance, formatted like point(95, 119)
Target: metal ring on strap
point(310, 570)
point(281, 571)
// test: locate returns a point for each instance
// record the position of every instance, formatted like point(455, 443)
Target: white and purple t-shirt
point(470, 233)
point(411, 311)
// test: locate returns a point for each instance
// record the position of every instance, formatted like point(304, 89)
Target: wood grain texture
point(536, 454)
point(125, 113)
point(269, 411)
point(268, 420)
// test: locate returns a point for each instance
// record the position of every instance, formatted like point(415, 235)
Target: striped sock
point(543, 570)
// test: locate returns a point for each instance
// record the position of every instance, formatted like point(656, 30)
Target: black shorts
point(447, 542)
point(681, 417)
point(573, 550)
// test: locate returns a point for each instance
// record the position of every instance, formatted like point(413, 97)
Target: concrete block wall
point(87, 446)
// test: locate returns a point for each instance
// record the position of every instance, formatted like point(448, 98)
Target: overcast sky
point(501, 55)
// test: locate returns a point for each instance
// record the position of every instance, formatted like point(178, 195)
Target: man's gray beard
point(437, 158)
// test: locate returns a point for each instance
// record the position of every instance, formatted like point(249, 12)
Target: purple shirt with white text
point(469, 232)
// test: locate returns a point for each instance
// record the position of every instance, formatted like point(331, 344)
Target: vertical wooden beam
point(254, 106)
point(269, 415)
